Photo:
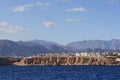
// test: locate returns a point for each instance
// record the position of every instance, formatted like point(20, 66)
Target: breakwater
point(67, 60)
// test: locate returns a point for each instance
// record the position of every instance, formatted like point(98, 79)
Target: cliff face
point(67, 60)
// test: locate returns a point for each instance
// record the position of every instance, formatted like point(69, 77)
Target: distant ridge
point(27, 48)
point(113, 44)
point(33, 47)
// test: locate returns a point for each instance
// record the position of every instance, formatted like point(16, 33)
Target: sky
point(61, 21)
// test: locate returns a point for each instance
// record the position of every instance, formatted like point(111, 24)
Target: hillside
point(27, 48)
point(113, 44)
point(33, 47)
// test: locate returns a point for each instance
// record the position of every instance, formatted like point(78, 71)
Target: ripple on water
point(60, 73)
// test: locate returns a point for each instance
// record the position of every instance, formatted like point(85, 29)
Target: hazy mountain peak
point(32, 47)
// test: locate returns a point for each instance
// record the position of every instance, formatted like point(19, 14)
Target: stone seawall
point(67, 60)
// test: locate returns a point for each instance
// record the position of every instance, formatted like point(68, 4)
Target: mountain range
point(33, 47)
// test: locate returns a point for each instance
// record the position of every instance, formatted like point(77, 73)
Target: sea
point(59, 72)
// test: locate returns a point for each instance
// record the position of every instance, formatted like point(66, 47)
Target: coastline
point(66, 61)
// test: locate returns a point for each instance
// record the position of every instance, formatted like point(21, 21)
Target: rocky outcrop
point(69, 60)
point(5, 61)
point(21, 63)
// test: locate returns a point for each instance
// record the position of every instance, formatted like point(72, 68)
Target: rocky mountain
point(37, 42)
point(113, 44)
point(8, 47)
point(33, 47)
point(27, 48)
point(50, 46)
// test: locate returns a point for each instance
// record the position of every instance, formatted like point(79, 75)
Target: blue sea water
point(60, 73)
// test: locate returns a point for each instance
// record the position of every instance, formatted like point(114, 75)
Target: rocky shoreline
point(66, 60)
point(4, 61)
point(60, 60)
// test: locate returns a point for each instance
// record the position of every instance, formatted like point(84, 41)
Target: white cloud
point(21, 8)
point(73, 20)
point(49, 24)
point(26, 7)
point(15, 30)
point(11, 29)
point(42, 4)
point(80, 9)
point(3, 24)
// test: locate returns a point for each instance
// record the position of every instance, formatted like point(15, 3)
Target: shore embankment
point(5, 61)
point(66, 60)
